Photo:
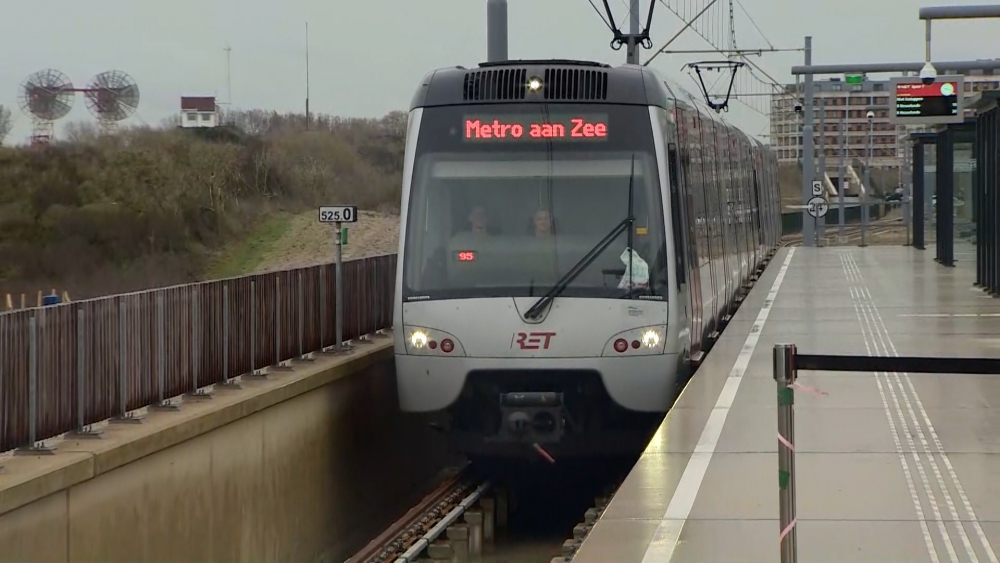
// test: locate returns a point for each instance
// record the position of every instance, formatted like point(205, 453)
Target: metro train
point(574, 238)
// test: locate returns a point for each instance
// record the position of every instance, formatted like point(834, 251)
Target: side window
point(676, 215)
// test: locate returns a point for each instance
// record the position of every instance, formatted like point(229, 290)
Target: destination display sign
point(914, 102)
point(521, 128)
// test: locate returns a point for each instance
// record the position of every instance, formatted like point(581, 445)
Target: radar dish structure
point(112, 96)
point(46, 96)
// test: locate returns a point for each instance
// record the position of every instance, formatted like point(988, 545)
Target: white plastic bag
point(639, 271)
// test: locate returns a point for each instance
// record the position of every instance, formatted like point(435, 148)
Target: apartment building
point(844, 105)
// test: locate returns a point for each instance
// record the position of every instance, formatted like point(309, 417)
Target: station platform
point(888, 467)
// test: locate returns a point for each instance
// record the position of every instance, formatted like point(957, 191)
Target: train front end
point(533, 300)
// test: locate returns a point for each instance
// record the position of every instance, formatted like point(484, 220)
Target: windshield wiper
point(536, 310)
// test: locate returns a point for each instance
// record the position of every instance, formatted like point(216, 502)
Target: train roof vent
point(543, 62)
point(575, 84)
point(495, 84)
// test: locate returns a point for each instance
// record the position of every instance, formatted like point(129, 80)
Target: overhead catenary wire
point(754, 24)
point(600, 14)
point(715, 23)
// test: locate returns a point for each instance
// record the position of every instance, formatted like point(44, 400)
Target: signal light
point(621, 345)
point(447, 345)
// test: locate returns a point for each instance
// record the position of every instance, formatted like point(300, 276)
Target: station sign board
point(914, 103)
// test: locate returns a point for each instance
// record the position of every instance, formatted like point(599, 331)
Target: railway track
point(465, 519)
point(406, 540)
point(852, 233)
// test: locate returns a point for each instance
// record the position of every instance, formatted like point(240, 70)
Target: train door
point(749, 221)
point(692, 165)
point(707, 213)
point(718, 218)
point(735, 167)
point(680, 206)
point(740, 179)
point(730, 254)
point(758, 210)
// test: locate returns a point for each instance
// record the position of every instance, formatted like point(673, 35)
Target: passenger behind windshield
point(541, 258)
point(542, 223)
point(479, 228)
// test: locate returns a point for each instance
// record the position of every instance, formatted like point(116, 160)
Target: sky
point(368, 56)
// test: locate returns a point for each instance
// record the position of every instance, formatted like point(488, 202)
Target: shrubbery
point(146, 207)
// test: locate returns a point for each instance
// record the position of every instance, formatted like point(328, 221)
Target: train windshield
point(506, 199)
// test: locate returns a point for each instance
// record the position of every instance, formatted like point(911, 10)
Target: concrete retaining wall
point(287, 469)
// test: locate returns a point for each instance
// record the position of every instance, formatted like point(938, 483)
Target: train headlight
point(422, 341)
point(642, 341)
point(418, 339)
point(534, 84)
point(650, 338)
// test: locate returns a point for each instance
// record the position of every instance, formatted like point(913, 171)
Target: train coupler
point(532, 417)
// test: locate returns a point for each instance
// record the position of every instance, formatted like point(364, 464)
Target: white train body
point(560, 156)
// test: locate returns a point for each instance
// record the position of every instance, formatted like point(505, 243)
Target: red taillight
point(621, 345)
point(432, 344)
point(447, 345)
point(635, 344)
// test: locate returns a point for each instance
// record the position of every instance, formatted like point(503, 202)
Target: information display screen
point(465, 255)
point(916, 102)
point(527, 128)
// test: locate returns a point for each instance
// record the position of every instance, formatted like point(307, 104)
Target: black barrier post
point(945, 189)
point(986, 247)
point(784, 375)
point(917, 193)
point(987, 180)
point(979, 205)
point(990, 174)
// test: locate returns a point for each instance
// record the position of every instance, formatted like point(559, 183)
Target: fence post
point(164, 404)
point(124, 416)
point(785, 375)
point(227, 382)
point(339, 291)
point(225, 334)
point(197, 392)
point(33, 447)
point(301, 320)
point(303, 355)
point(277, 318)
point(253, 334)
point(82, 429)
point(363, 313)
point(278, 340)
point(377, 277)
point(322, 309)
point(253, 328)
point(4, 324)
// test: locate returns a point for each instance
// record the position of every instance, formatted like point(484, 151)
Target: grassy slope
point(246, 255)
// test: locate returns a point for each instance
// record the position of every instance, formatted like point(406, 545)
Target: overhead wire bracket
point(716, 66)
point(631, 40)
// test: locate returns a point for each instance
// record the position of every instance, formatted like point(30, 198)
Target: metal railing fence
point(66, 367)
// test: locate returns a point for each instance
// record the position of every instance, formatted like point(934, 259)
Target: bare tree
point(81, 132)
point(6, 123)
point(171, 122)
